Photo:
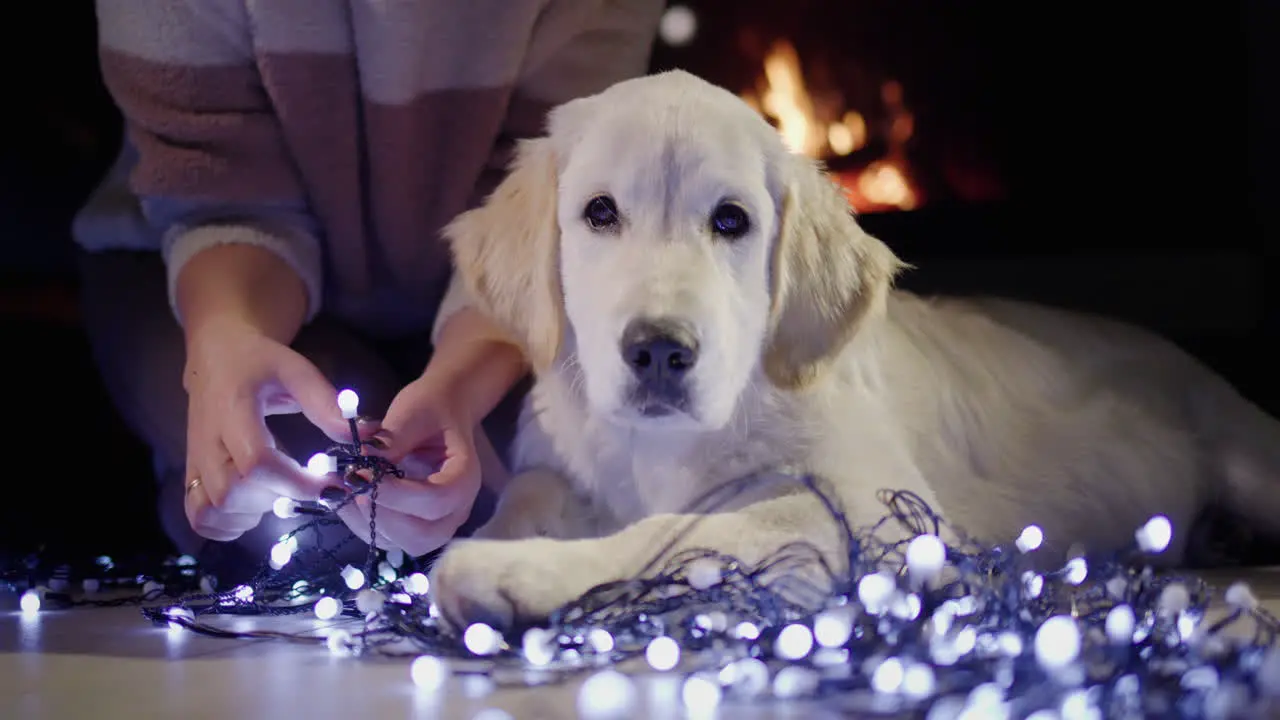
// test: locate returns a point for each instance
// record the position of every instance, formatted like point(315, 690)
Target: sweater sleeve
point(579, 48)
point(212, 164)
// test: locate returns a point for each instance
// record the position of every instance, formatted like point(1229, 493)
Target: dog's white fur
point(997, 413)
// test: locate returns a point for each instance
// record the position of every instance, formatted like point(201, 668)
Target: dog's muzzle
point(661, 353)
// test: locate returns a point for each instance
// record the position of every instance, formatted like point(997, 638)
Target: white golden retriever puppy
point(699, 305)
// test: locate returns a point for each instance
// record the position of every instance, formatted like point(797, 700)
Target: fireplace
point(815, 70)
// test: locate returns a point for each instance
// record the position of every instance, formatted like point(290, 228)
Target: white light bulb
point(348, 403)
point(369, 600)
point(926, 556)
point(1116, 587)
point(888, 676)
point(178, 614)
point(833, 627)
point(327, 608)
point(988, 696)
point(794, 642)
point(283, 508)
point(749, 677)
point(481, 639)
point(385, 572)
point(1155, 535)
point(700, 694)
point(1057, 642)
point(607, 695)
point(1010, 643)
point(1030, 539)
point(1077, 570)
point(339, 643)
point(600, 640)
point(918, 681)
point(1033, 583)
point(794, 681)
point(417, 584)
point(428, 673)
point(662, 653)
point(1240, 596)
point(1203, 678)
point(906, 607)
point(1120, 623)
point(703, 573)
point(281, 554)
point(1076, 706)
point(678, 26)
point(243, 593)
point(322, 464)
point(1174, 598)
point(353, 577)
point(538, 646)
point(746, 631)
point(30, 602)
point(874, 592)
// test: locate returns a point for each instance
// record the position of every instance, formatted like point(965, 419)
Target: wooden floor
point(109, 664)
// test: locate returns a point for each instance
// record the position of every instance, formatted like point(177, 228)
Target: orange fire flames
point(827, 130)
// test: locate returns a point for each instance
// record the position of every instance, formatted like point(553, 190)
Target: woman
point(271, 233)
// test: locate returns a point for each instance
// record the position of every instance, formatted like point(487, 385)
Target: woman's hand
point(430, 431)
point(235, 376)
point(433, 440)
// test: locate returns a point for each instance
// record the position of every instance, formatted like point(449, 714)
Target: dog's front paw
point(504, 583)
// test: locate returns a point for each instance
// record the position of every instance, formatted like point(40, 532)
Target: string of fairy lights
point(944, 631)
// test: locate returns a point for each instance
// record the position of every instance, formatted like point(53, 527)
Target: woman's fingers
point(257, 459)
point(415, 535)
point(208, 520)
point(428, 502)
point(358, 523)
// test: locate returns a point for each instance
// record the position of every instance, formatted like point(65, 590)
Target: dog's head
point(663, 239)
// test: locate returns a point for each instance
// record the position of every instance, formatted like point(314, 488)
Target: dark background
point(1124, 157)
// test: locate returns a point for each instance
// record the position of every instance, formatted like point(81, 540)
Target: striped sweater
point(339, 134)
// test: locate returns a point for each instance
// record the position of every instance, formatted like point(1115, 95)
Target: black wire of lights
point(941, 631)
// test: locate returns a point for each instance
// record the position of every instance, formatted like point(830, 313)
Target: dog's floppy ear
point(829, 276)
point(507, 251)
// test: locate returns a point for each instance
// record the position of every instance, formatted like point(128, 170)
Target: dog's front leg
point(539, 503)
point(524, 581)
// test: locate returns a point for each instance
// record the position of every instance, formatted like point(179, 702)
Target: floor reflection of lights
point(29, 627)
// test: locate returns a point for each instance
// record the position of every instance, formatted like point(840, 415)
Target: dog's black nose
point(659, 351)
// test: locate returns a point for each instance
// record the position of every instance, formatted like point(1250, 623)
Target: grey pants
point(139, 350)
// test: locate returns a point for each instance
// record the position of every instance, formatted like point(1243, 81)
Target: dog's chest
point(628, 475)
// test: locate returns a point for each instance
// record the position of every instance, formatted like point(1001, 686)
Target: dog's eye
point(601, 213)
point(730, 220)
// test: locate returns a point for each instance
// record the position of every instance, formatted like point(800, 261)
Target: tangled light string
point(919, 626)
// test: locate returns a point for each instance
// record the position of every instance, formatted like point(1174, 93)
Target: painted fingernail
point(376, 442)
